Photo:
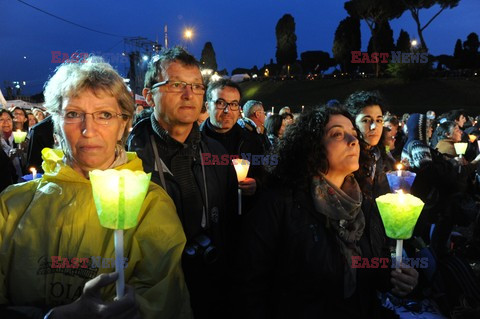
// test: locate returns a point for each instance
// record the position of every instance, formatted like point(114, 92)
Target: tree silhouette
point(286, 41)
point(208, 59)
point(347, 39)
point(403, 42)
point(316, 61)
point(414, 6)
point(470, 51)
point(375, 12)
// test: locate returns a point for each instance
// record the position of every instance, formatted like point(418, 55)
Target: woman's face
point(6, 123)
point(40, 116)
point(370, 123)
point(31, 120)
point(91, 145)
point(456, 134)
point(342, 146)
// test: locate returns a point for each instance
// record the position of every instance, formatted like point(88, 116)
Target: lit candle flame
point(34, 172)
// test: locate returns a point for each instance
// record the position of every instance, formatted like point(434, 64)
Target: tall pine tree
point(208, 58)
point(286, 41)
point(347, 39)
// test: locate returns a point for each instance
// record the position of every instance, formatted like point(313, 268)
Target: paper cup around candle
point(460, 148)
point(19, 136)
point(399, 214)
point(241, 167)
point(119, 196)
point(402, 181)
point(472, 138)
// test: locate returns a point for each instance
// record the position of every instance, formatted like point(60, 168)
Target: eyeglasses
point(221, 104)
point(179, 87)
point(8, 120)
point(99, 117)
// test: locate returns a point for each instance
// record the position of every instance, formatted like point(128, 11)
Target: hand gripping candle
point(118, 196)
point(399, 214)
point(460, 149)
point(241, 167)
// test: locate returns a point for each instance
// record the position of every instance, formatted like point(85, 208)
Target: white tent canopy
point(23, 104)
point(3, 102)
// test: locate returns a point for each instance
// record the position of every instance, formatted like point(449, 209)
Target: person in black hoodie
point(299, 244)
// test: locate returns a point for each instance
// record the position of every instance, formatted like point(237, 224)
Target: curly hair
point(300, 152)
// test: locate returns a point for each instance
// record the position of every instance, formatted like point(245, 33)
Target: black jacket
point(244, 144)
point(41, 136)
point(207, 283)
point(290, 264)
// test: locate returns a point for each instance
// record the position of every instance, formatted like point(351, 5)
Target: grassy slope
point(437, 94)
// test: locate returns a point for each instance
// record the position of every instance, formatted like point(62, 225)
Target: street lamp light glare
point(188, 34)
point(414, 43)
point(145, 58)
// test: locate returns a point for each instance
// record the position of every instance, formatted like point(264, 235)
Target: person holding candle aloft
point(295, 259)
point(91, 109)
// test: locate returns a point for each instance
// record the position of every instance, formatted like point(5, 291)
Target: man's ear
point(147, 94)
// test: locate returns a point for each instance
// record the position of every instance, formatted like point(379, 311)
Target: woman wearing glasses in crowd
point(55, 216)
point(296, 256)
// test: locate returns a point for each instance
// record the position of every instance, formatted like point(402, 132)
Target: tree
point(414, 6)
point(471, 56)
point(382, 38)
point(403, 42)
point(316, 61)
point(375, 12)
point(347, 39)
point(458, 52)
point(286, 41)
point(208, 59)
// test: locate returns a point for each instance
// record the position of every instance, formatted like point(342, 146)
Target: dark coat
point(41, 136)
point(290, 264)
point(207, 283)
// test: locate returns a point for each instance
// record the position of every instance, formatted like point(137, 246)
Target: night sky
point(242, 32)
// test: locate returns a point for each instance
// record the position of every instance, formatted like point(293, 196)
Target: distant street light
point(145, 57)
point(188, 34)
point(414, 43)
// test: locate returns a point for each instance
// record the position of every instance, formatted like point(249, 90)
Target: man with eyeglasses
point(223, 105)
point(171, 146)
point(254, 119)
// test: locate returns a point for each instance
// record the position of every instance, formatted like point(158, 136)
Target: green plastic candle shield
point(460, 148)
point(19, 136)
point(399, 214)
point(118, 196)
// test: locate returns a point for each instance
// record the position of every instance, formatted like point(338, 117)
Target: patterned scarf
point(342, 207)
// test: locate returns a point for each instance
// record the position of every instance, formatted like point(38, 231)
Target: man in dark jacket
point(41, 136)
point(223, 105)
point(171, 148)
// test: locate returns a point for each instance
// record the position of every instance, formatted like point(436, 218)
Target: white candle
point(241, 167)
point(34, 173)
point(120, 284)
point(273, 110)
point(303, 106)
point(399, 170)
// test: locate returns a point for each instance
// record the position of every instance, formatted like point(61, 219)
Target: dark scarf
point(342, 207)
point(179, 159)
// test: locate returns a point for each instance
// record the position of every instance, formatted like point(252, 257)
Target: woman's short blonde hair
point(72, 78)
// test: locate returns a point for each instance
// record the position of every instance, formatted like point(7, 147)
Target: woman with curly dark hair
point(296, 257)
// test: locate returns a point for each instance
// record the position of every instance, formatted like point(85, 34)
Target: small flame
point(399, 166)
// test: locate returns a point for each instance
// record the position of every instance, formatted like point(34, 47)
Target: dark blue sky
point(242, 32)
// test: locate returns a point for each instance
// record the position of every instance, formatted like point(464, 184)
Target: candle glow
point(460, 148)
point(399, 213)
point(19, 136)
point(241, 167)
point(34, 173)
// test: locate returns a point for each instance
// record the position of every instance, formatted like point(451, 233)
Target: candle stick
point(241, 167)
point(399, 170)
point(460, 149)
point(399, 213)
point(303, 106)
point(273, 110)
point(19, 137)
point(118, 197)
point(34, 173)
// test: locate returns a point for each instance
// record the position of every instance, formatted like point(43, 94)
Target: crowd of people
point(308, 201)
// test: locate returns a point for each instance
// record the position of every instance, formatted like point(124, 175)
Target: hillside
point(438, 94)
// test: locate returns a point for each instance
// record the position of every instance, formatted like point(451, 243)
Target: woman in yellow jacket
point(55, 257)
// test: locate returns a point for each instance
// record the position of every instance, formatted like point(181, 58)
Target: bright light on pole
point(188, 34)
point(414, 43)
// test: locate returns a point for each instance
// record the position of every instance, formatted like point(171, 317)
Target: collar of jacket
point(56, 170)
point(192, 139)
